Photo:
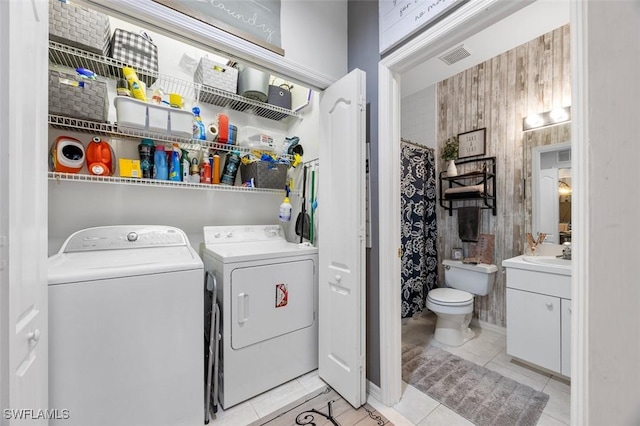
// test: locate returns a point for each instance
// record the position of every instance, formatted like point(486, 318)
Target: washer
point(125, 328)
point(267, 291)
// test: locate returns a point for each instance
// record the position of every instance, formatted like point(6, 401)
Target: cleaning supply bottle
point(285, 209)
point(161, 171)
point(99, 157)
point(231, 165)
point(215, 174)
point(184, 165)
point(205, 172)
point(146, 151)
point(199, 131)
point(134, 84)
point(174, 166)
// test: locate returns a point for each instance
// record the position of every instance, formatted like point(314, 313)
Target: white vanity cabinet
point(539, 314)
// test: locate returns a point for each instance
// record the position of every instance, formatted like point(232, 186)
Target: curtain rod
point(416, 144)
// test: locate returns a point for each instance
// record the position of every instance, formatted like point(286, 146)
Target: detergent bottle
point(146, 151)
point(199, 131)
point(134, 83)
point(161, 171)
point(185, 165)
point(99, 158)
point(174, 166)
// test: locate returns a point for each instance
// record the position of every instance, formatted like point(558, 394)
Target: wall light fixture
point(549, 118)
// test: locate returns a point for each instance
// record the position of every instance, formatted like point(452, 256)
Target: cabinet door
point(565, 319)
point(533, 328)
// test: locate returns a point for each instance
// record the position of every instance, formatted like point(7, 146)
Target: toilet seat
point(450, 297)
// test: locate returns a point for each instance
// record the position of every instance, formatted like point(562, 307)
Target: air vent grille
point(455, 55)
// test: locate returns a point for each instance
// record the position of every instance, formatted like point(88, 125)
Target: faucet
point(566, 251)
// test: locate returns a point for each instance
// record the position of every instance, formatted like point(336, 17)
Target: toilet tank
point(476, 279)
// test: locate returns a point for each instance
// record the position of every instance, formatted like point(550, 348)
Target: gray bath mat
point(476, 393)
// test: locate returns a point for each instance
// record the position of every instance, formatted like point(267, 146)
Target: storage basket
point(265, 174)
point(136, 50)
point(79, 27)
point(215, 75)
point(72, 96)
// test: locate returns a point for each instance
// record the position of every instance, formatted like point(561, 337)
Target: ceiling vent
point(455, 55)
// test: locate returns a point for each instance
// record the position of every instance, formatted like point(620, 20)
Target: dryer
point(267, 292)
point(125, 328)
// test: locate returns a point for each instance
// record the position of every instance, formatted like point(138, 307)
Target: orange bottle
point(205, 172)
point(215, 177)
point(99, 158)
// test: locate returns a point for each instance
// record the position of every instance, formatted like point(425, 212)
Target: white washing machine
point(267, 291)
point(126, 324)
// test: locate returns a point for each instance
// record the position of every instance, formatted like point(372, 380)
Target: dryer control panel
point(242, 234)
point(124, 237)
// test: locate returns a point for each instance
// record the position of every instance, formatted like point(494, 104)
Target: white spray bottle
point(285, 208)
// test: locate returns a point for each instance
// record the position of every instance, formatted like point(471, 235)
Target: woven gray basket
point(79, 27)
point(71, 96)
point(213, 74)
point(264, 174)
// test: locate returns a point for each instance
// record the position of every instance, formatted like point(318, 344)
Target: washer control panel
point(124, 237)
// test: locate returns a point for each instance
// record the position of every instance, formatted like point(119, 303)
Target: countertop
point(520, 262)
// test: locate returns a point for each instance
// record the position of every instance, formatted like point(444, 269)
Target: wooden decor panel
point(498, 94)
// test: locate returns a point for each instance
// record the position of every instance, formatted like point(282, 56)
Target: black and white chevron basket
point(136, 50)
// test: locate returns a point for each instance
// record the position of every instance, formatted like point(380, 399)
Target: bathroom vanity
point(539, 311)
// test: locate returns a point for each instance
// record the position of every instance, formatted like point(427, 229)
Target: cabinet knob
point(34, 336)
point(549, 305)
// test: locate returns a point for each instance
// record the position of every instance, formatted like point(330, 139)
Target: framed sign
point(257, 21)
point(472, 143)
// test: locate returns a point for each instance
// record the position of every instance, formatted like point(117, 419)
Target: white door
point(23, 210)
point(342, 238)
point(548, 204)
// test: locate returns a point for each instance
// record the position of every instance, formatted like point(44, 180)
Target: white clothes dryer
point(267, 291)
point(125, 328)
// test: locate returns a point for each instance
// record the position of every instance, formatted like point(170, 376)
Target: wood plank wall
point(497, 94)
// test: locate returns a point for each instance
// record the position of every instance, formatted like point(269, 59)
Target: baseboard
point(491, 327)
point(374, 390)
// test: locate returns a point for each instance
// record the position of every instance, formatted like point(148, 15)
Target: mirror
point(547, 179)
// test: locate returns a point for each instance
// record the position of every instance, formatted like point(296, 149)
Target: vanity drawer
point(539, 282)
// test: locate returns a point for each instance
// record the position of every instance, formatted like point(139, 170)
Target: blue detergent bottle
point(161, 170)
point(174, 167)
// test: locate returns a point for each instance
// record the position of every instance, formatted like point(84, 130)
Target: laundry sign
point(257, 21)
point(399, 19)
point(282, 295)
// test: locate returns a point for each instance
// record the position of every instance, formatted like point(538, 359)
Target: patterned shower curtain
point(419, 234)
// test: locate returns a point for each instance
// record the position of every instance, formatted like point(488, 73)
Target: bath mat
point(478, 394)
point(314, 409)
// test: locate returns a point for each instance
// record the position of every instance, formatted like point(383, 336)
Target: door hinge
point(400, 252)
point(363, 103)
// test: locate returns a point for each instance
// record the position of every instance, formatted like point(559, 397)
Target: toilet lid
point(450, 296)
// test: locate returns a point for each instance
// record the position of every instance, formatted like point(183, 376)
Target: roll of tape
point(212, 132)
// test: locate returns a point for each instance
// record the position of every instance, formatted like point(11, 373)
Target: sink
point(547, 260)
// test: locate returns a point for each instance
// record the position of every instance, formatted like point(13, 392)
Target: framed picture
point(457, 254)
point(472, 143)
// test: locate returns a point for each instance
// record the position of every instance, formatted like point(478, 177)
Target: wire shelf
point(107, 129)
point(62, 54)
point(73, 177)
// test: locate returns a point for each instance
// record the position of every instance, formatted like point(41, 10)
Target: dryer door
point(268, 301)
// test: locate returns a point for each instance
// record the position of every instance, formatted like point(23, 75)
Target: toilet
point(453, 304)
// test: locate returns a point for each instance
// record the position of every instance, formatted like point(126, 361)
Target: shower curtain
point(419, 272)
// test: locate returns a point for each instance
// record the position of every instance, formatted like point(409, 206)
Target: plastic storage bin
point(79, 27)
point(71, 96)
point(265, 174)
point(134, 114)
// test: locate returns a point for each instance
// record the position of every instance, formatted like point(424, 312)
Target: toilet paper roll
point(212, 132)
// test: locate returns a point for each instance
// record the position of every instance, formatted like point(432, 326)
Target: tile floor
point(488, 349)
